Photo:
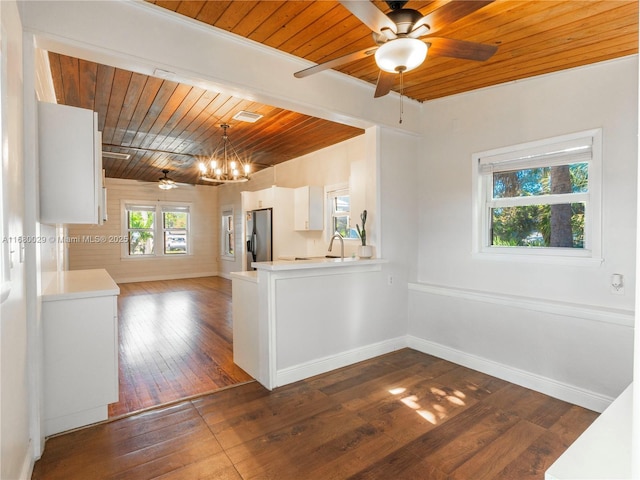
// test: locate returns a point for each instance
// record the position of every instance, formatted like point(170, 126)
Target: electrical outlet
point(390, 280)
point(617, 284)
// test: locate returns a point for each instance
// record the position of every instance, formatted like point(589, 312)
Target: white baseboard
point(332, 362)
point(568, 393)
point(172, 276)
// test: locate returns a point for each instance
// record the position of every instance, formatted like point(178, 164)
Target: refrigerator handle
point(254, 241)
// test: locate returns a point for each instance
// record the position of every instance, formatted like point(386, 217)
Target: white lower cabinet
point(80, 376)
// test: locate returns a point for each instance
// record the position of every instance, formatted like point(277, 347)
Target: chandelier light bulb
point(401, 55)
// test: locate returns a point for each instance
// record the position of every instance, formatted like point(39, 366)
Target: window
point(540, 198)
point(228, 239)
point(339, 207)
point(141, 229)
point(146, 223)
point(175, 222)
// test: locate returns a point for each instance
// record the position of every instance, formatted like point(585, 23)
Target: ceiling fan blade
point(418, 31)
point(336, 62)
point(449, 13)
point(385, 82)
point(370, 15)
point(448, 47)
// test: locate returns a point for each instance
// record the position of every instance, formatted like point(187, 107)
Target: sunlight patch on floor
point(439, 411)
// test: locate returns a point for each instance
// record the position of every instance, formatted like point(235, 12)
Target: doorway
point(175, 342)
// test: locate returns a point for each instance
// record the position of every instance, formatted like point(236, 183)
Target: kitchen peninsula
point(295, 319)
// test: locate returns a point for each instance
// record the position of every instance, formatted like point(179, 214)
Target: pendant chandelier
point(225, 165)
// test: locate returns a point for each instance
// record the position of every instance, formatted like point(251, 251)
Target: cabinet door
point(309, 211)
point(80, 355)
point(70, 164)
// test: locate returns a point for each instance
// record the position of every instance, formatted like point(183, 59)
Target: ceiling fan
point(404, 36)
point(165, 183)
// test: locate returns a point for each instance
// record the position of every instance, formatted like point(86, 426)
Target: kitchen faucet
point(337, 235)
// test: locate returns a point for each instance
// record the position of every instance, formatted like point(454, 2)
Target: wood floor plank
point(284, 408)
point(153, 463)
point(215, 467)
point(535, 460)
point(467, 444)
point(573, 423)
point(295, 448)
point(493, 458)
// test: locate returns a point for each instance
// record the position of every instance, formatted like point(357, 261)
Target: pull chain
point(401, 94)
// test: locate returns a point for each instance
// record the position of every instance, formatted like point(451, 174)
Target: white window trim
point(226, 211)
point(332, 190)
point(588, 256)
point(158, 229)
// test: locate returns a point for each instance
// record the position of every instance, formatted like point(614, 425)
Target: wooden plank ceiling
point(534, 37)
point(167, 125)
point(163, 124)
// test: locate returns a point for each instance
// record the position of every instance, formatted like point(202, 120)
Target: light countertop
point(74, 284)
point(316, 262)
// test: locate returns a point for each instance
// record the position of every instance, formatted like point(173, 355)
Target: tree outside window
point(540, 225)
point(140, 231)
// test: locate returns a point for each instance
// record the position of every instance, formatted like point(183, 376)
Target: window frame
point(227, 235)
point(533, 155)
point(158, 230)
point(175, 208)
point(331, 192)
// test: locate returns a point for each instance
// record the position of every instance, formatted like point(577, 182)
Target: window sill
point(154, 257)
point(538, 257)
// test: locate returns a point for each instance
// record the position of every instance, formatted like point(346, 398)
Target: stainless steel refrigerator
point(259, 239)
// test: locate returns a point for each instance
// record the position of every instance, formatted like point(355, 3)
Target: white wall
point(204, 229)
point(15, 404)
point(584, 351)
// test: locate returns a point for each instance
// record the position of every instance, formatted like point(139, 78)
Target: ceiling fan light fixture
point(165, 183)
point(401, 55)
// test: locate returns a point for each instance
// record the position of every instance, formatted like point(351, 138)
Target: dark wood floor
point(175, 342)
point(405, 415)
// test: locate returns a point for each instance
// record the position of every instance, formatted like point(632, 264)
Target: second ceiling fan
point(404, 36)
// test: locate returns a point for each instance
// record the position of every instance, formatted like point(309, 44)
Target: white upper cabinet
point(70, 150)
point(258, 199)
point(308, 210)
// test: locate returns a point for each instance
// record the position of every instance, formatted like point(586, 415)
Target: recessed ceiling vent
point(244, 116)
point(116, 155)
